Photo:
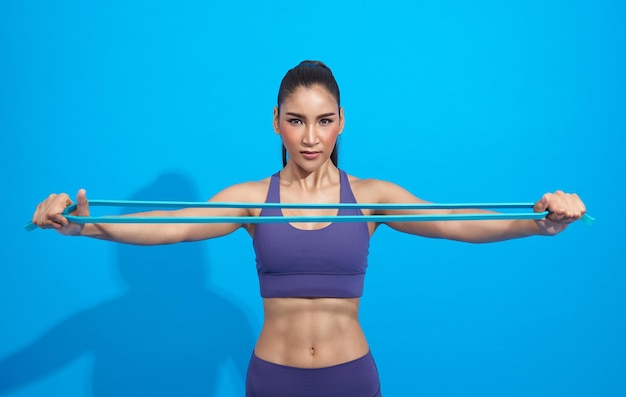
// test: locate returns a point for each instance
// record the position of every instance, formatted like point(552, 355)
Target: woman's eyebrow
point(321, 116)
point(301, 116)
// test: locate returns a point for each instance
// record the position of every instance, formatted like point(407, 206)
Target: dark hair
point(307, 74)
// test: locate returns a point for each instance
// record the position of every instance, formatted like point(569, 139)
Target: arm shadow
point(170, 333)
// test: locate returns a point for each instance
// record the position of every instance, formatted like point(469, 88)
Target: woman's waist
point(311, 333)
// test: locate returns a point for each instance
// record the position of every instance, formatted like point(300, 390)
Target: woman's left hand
point(564, 209)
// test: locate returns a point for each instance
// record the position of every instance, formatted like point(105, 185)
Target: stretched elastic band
point(294, 219)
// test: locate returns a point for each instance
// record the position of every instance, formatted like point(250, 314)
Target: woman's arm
point(564, 209)
point(48, 215)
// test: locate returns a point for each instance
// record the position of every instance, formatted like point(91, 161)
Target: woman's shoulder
point(250, 191)
point(369, 183)
point(372, 190)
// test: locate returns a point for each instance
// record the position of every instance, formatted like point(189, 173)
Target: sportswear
point(329, 262)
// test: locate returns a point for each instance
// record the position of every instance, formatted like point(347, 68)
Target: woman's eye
point(325, 121)
point(294, 121)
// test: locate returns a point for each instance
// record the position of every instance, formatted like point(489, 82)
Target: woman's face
point(309, 122)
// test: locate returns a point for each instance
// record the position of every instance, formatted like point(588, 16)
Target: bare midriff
point(311, 333)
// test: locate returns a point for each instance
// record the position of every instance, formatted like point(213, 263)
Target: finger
point(37, 215)
point(573, 210)
point(42, 215)
point(542, 204)
point(57, 220)
point(553, 203)
point(570, 207)
point(582, 210)
point(82, 208)
point(564, 208)
point(48, 214)
point(55, 214)
point(50, 223)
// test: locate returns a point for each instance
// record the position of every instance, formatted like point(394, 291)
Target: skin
point(320, 332)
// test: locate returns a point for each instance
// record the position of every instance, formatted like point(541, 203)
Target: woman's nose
point(310, 137)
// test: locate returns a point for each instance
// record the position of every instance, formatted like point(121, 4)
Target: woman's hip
point(353, 378)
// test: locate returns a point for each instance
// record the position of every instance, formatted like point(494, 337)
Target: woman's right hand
point(49, 213)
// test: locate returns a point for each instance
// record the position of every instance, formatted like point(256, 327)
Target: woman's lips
point(310, 155)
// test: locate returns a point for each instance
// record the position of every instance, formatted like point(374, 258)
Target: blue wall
point(454, 100)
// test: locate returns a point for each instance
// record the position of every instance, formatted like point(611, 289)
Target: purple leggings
point(358, 378)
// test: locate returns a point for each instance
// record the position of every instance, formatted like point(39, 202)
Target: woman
point(311, 274)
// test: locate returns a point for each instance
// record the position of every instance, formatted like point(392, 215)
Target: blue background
point(456, 101)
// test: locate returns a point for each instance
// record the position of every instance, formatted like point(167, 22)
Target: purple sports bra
point(322, 263)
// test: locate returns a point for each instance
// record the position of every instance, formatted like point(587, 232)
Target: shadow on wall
point(170, 334)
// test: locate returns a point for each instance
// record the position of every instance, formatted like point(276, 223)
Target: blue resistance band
point(294, 219)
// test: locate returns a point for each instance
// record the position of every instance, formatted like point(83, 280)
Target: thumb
point(541, 205)
point(82, 204)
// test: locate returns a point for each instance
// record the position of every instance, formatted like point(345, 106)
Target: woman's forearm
point(490, 231)
point(137, 233)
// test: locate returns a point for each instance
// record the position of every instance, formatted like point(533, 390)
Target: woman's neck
point(319, 178)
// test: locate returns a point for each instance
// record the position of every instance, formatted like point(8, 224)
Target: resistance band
point(294, 219)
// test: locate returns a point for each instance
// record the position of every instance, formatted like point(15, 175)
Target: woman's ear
point(276, 124)
point(341, 120)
